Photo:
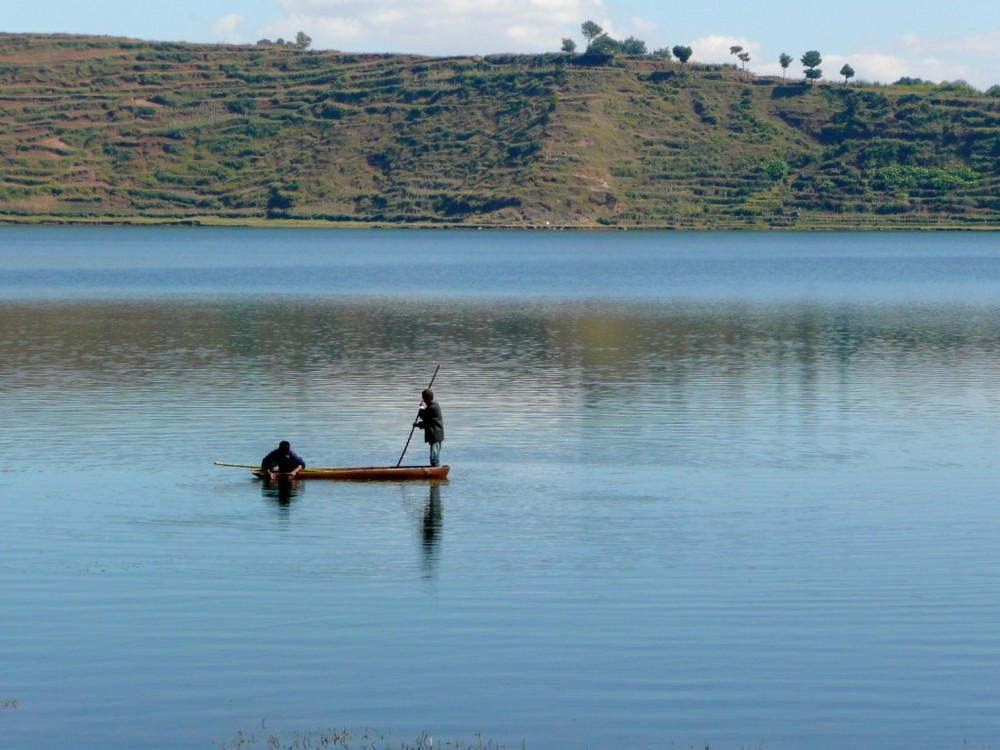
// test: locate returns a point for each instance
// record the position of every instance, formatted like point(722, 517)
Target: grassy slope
point(95, 129)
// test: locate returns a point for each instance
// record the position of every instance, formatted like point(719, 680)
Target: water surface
point(706, 489)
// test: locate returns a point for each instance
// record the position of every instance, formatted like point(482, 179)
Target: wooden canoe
point(370, 473)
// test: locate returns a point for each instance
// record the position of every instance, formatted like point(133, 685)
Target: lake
point(720, 490)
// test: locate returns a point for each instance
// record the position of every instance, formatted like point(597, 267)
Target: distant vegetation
point(302, 42)
point(108, 130)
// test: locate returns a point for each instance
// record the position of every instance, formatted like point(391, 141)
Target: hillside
point(103, 129)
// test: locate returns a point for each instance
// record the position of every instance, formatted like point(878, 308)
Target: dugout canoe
point(370, 473)
point(360, 473)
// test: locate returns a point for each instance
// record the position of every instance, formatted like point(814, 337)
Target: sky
point(882, 40)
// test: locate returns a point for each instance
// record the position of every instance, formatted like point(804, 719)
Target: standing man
point(282, 460)
point(429, 418)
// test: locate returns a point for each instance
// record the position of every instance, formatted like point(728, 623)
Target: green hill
point(103, 129)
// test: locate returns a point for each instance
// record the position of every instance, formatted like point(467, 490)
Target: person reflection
point(432, 522)
point(280, 490)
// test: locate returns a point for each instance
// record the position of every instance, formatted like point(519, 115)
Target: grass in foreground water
point(370, 739)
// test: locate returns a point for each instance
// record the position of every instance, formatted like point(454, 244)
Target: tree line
point(600, 43)
point(302, 42)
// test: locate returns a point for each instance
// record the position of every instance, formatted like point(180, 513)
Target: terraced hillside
point(101, 129)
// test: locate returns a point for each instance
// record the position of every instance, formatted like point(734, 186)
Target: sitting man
point(282, 461)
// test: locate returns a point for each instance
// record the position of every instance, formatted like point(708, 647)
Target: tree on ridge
point(785, 60)
point(744, 58)
point(590, 31)
point(811, 61)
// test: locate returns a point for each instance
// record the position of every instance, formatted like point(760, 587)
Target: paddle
point(256, 468)
point(414, 425)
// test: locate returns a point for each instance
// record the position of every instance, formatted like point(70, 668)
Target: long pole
point(414, 425)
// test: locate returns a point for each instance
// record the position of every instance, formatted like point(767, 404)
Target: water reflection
point(281, 491)
point(433, 521)
point(789, 384)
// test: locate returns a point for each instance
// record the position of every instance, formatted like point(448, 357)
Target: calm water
point(706, 489)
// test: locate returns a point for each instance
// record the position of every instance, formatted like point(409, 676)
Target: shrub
point(242, 106)
point(278, 202)
point(776, 169)
point(899, 175)
point(330, 111)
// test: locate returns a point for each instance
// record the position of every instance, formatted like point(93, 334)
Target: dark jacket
point(280, 462)
point(430, 419)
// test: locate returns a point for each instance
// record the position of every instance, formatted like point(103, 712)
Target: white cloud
point(987, 45)
point(464, 27)
point(436, 27)
point(528, 37)
point(645, 24)
point(715, 49)
point(346, 30)
point(870, 66)
point(647, 30)
point(973, 59)
point(969, 66)
point(229, 28)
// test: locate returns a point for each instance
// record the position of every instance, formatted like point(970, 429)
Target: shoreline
point(252, 223)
